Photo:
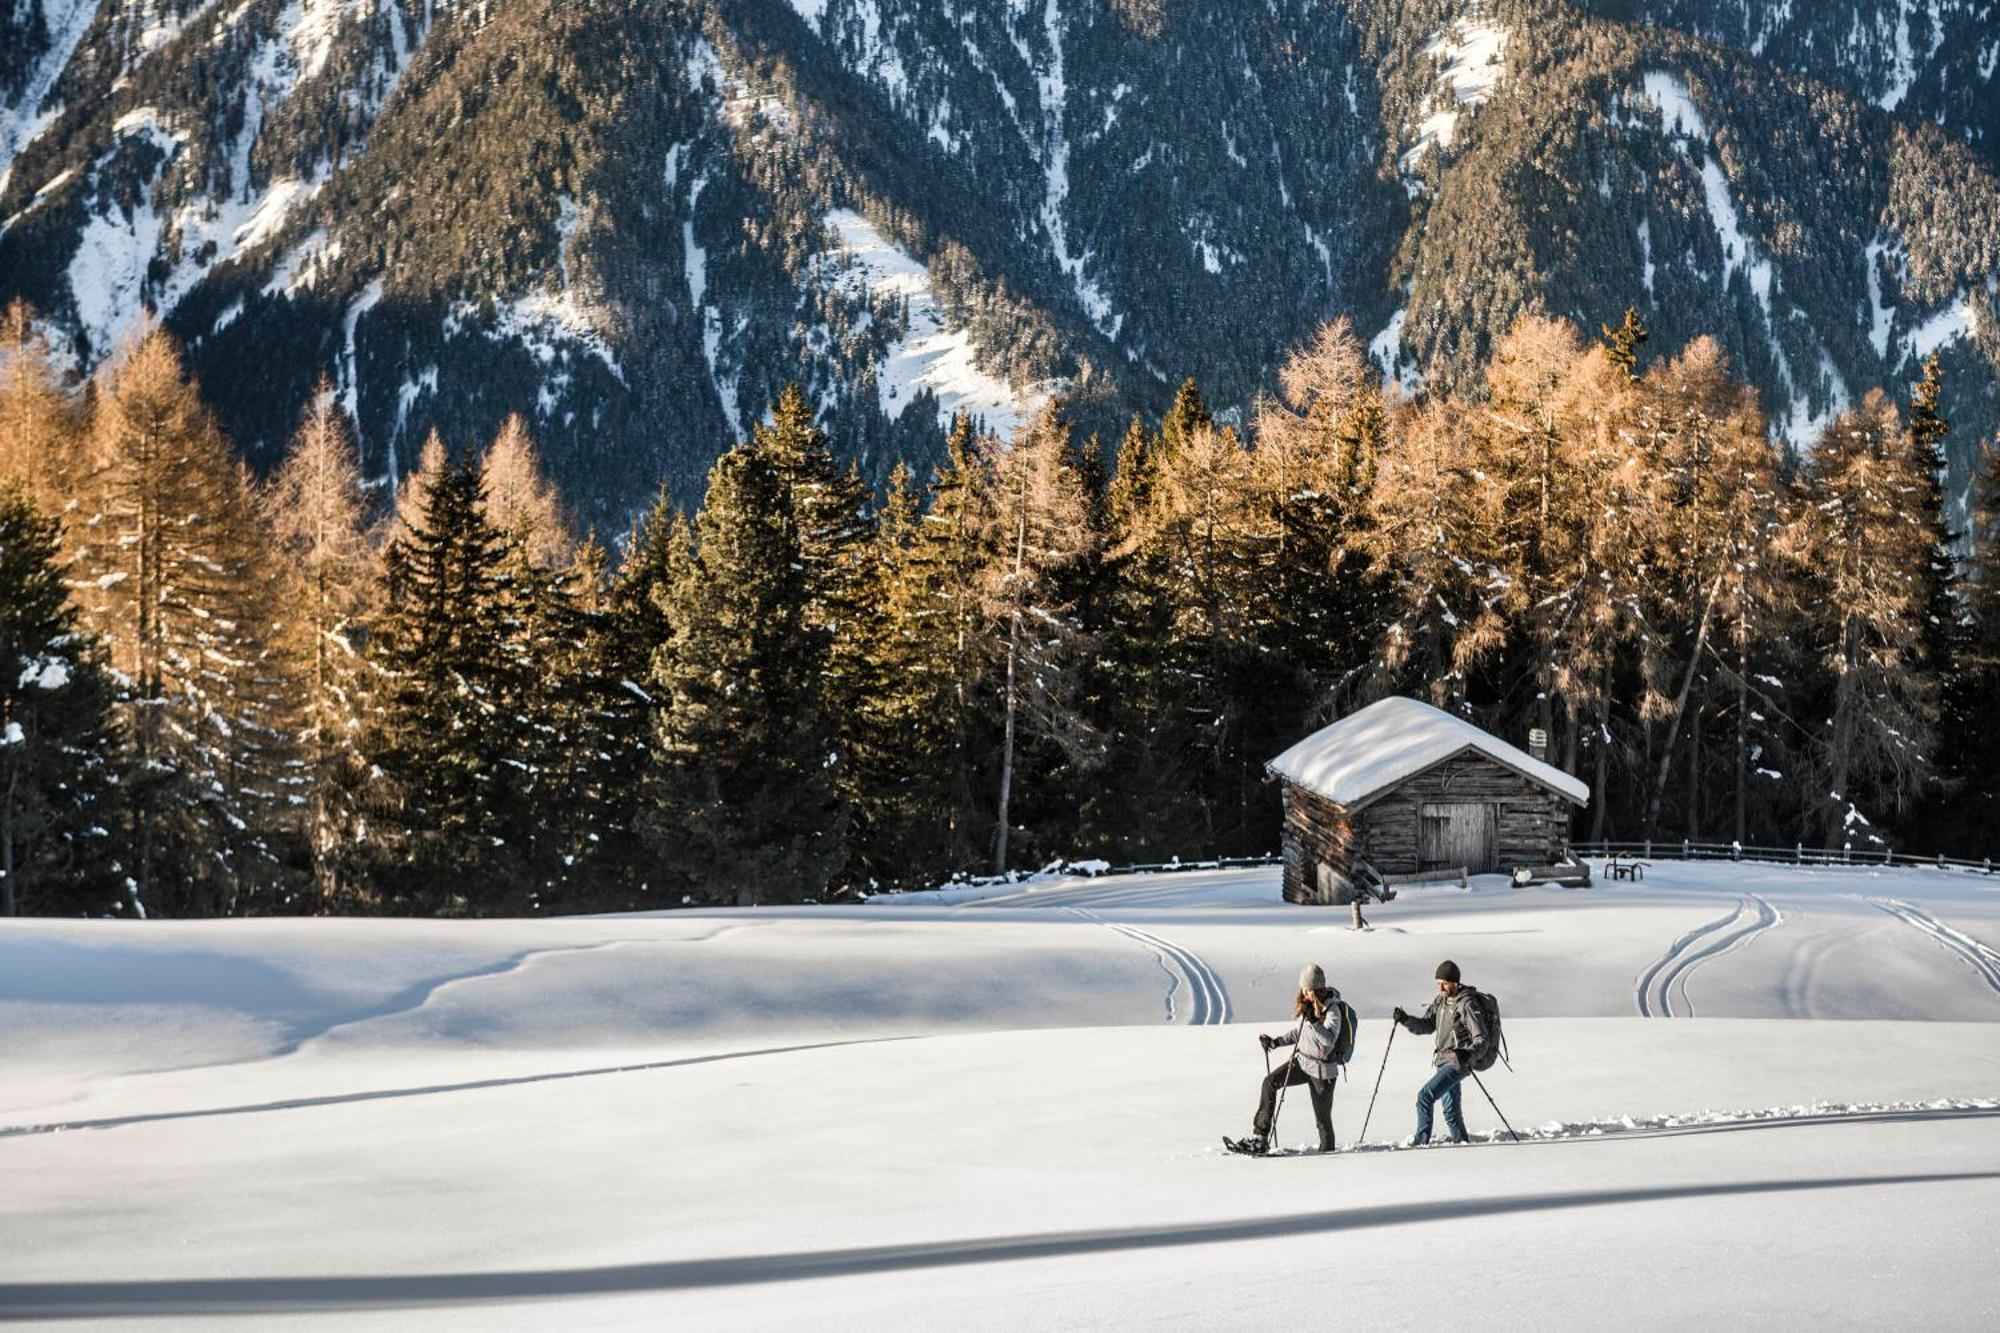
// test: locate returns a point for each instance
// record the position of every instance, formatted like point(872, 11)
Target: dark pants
point(1442, 1086)
point(1290, 1075)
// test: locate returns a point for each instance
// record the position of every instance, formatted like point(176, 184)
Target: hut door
point(1459, 834)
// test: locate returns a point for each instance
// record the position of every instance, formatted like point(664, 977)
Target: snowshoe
point(1254, 1145)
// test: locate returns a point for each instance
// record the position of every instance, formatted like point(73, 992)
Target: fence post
point(1940, 860)
point(1649, 847)
point(1987, 864)
point(1798, 853)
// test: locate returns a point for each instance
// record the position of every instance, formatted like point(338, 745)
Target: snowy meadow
point(1748, 1096)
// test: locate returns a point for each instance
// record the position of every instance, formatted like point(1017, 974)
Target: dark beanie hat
point(1447, 971)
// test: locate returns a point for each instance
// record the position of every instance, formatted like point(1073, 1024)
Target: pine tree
point(172, 571)
point(445, 738)
point(60, 805)
point(746, 803)
point(314, 509)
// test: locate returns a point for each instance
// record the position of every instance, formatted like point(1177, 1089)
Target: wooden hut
point(1412, 789)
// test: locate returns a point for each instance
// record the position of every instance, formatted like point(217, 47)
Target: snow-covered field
point(999, 1108)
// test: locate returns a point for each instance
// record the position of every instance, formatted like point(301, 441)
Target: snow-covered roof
point(1366, 753)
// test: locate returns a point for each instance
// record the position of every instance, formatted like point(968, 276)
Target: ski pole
point(1271, 1135)
point(1495, 1105)
point(1378, 1084)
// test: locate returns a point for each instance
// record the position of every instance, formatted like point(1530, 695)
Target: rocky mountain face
point(633, 220)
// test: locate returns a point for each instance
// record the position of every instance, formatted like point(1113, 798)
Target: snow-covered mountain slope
point(613, 215)
point(1001, 1107)
point(1933, 59)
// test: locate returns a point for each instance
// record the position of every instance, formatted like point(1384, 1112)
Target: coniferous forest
point(302, 692)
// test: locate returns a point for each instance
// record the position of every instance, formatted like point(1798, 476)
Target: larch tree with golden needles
point(172, 571)
point(1865, 561)
point(1035, 529)
point(315, 509)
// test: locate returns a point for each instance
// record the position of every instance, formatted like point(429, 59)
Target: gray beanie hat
point(1311, 977)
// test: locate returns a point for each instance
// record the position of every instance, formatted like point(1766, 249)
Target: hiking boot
point(1326, 1143)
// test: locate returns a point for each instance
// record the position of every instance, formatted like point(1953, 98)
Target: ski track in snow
point(421, 992)
point(1980, 958)
point(1644, 995)
point(1210, 1003)
point(428, 1090)
point(1656, 986)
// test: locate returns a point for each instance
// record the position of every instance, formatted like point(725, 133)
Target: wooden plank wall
point(1316, 830)
point(1533, 821)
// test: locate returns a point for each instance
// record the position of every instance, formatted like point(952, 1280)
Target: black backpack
point(1487, 1052)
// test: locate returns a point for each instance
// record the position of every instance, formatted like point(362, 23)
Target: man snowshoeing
point(1460, 1032)
point(1317, 1037)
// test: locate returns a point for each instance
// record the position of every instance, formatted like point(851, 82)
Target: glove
point(1398, 1015)
point(1264, 1040)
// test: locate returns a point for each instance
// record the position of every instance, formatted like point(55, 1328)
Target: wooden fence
point(1797, 854)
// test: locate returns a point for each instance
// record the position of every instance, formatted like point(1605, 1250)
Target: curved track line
point(1218, 998)
point(1768, 918)
point(1642, 993)
point(1981, 959)
point(1209, 1003)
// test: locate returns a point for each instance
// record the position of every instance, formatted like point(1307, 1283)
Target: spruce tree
point(446, 737)
point(936, 607)
point(597, 719)
point(1978, 716)
point(899, 752)
point(1942, 642)
point(60, 805)
point(830, 511)
point(542, 630)
point(1623, 343)
point(746, 807)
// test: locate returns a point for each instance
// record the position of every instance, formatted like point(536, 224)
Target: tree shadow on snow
point(240, 1296)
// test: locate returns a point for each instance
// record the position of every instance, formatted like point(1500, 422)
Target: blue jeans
point(1443, 1084)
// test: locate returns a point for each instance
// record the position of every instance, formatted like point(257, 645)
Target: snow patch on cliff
point(66, 22)
point(929, 355)
point(1473, 51)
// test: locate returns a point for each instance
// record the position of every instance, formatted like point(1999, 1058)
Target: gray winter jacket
point(1316, 1040)
point(1460, 1029)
